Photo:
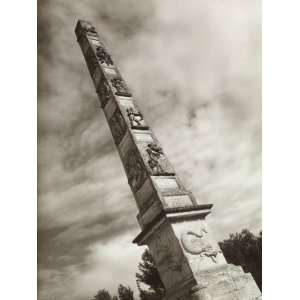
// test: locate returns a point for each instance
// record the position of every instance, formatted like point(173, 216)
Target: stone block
point(145, 137)
point(177, 201)
point(125, 101)
point(144, 194)
point(150, 213)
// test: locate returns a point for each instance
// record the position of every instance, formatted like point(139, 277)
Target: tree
point(125, 293)
point(245, 249)
point(148, 277)
point(104, 295)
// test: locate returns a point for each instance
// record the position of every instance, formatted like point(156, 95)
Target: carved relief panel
point(136, 118)
point(168, 256)
point(87, 27)
point(104, 93)
point(200, 249)
point(120, 87)
point(157, 163)
point(118, 126)
point(91, 61)
point(103, 56)
point(135, 170)
point(196, 243)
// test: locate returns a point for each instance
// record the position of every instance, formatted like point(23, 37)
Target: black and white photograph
point(149, 150)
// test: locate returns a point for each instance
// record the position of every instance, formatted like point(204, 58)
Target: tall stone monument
point(189, 261)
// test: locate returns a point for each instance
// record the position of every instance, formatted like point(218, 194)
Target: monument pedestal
point(190, 262)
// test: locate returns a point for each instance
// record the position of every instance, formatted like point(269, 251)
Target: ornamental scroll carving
point(121, 87)
point(157, 161)
point(117, 126)
point(136, 119)
point(135, 170)
point(196, 243)
point(103, 56)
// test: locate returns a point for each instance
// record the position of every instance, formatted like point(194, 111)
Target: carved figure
point(91, 60)
point(103, 56)
point(155, 161)
point(136, 119)
point(121, 87)
point(135, 170)
point(105, 93)
point(118, 126)
point(196, 244)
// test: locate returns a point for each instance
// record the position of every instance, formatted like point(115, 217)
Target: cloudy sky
point(194, 67)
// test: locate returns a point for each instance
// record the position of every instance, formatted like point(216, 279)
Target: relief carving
point(157, 161)
point(135, 170)
point(168, 255)
point(103, 56)
point(196, 243)
point(136, 119)
point(104, 93)
point(120, 86)
point(117, 126)
point(87, 27)
point(91, 60)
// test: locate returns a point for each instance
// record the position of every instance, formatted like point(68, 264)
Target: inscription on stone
point(110, 71)
point(118, 126)
point(125, 101)
point(143, 137)
point(178, 201)
point(120, 87)
point(166, 183)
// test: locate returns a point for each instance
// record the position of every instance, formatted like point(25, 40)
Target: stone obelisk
point(189, 261)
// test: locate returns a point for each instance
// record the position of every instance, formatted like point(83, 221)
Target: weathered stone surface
point(178, 201)
point(143, 137)
point(166, 183)
point(104, 92)
point(143, 195)
point(118, 126)
point(125, 102)
point(110, 71)
point(136, 118)
point(135, 170)
point(150, 213)
point(171, 263)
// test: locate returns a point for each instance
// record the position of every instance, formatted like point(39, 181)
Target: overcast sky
point(194, 68)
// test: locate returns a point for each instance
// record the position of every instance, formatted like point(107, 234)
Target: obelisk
point(189, 261)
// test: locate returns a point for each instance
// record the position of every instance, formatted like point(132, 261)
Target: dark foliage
point(104, 295)
point(245, 249)
point(125, 293)
point(242, 249)
point(149, 276)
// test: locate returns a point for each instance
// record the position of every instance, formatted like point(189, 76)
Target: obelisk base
point(225, 282)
